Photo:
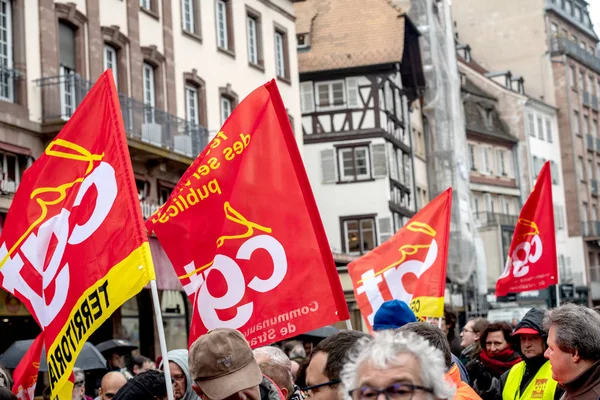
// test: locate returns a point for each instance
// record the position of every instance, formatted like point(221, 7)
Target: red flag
point(410, 266)
point(26, 373)
point(531, 262)
point(244, 235)
point(74, 247)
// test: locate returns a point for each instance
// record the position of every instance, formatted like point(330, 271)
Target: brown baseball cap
point(221, 363)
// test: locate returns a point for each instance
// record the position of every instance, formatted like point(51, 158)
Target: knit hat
point(393, 314)
point(147, 385)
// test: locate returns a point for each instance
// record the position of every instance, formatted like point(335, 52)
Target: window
point(594, 128)
point(224, 25)
point(147, 4)
point(67, 69)
point(536, 169)
point(580, 169)
point(164, 191)
point(580, 80)
point(330, 94)
point(558, 218)
point(359, 235)
point(531, 124)
point(226, 108)
point(110, 61)
point(590, 84)
point(191, 105)
point(590, 174)
point(6, 59)
point(143, 188)
point(307, 97)
point(187, 9)
point(575, 123)
point(554, 28)
point(10, 172)
point(472, 156)
point(149, 93)
point(554, 172)
point(586, 125)
point(577, 12)
point(569, 7)
point(548, 130)
point(573, 77)
point(540, 127)
point(500, 163)
point(252, 40)
point(281, 53)
point(354, 163)
point(485, 160)
point(302, 40)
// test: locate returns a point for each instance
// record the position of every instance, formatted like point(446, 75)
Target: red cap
point(526, 331)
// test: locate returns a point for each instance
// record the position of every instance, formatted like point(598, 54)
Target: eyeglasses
point(397, 391)
point(78, 383)
point(309, 389)
point(178, 378)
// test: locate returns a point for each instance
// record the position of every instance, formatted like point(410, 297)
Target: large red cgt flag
point(410, 266)
point(531, 263)
point(74, 247)
point(26, 373)
point(244, 235)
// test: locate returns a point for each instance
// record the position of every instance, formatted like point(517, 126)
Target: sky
point(595, 14)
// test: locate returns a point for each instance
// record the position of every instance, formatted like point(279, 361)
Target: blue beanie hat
point(393, 314)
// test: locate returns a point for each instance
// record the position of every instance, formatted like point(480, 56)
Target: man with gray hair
point(78, 384)
point(398, 365)
point(574, 350)
point(275, 364)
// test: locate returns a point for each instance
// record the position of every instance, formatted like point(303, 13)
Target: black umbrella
point(318, 334)
point(119, 346)
point(89, 358)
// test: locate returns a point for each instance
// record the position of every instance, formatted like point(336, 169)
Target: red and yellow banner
point(410, 266)
point(74, 247)
point(26, 373)
point(531, 263)
point(244, 235)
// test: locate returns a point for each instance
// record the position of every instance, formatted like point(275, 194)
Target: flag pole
point(557, 288)
point(349, 325)
point(161, 339)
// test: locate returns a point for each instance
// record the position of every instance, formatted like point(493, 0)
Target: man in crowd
point(78, 384)
point(532, 377)
point(438, 339)
point(180, 375)
point(276, 365)
point(398, 365)
point(149, 385)
point(471, 335)
point(449, 329)
point(574, 350)
point(222, 366)
point(140, 364)
point(115, 361)
point(110, 385)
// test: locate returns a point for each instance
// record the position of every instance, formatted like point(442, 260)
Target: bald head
point(110, 385)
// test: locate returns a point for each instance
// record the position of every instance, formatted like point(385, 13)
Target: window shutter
point(378, 156)
point(328, 166)
point(385, 229)
point(392, 162)
point(498, 158)
point(352, 92)
point(482, 164)
point(307, 97)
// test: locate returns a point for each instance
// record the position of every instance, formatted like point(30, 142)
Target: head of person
point(531, 334)
point(272, 354)
point(222, 366)
point(5, 378)
point(434, 336)
point(6, 394)
point(573, 340)
point(472, 331)
point(393, 314)
point(295, 370)
point(110, 385)
point(495, 339)
point(325, 365)
point(449, 322)
point(180, 374)
point(78, 384)
point(116, 361)
point(396, 364)
point(281, 375)
point(148, 385)
point(140, 364)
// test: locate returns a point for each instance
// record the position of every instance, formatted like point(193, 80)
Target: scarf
point(500, 362)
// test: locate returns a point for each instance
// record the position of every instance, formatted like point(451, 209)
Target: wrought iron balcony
point(10, 80)
point(561, 45)
point(489, 218)
point(590, 228)
point(62, 94)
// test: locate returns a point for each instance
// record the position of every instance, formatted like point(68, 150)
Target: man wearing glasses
point(326, 362)
point(399, 366)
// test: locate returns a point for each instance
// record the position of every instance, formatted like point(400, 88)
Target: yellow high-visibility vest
point(541, 387)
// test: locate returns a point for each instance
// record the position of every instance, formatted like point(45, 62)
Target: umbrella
point(119, 346)
point(89, 357)
point(318, 334)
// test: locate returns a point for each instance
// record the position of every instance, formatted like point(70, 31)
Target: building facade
point(180, 67)
point(360, 70)
point(553, 45)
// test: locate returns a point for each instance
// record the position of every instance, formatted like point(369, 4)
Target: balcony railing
point(595, 103)
point(62, 94)
point(489, 218)
point(590, 228)
point(565, 46)
point(10, 80)
point(148, 209)
point(7, 186)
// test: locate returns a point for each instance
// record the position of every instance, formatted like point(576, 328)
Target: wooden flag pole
point(161, 339)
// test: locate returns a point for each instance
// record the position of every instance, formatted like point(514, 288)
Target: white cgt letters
point(207, 304)
point(35, 247)
point(521, 265)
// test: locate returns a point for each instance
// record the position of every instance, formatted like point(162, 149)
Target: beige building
point(553, 45)
point(181, 67)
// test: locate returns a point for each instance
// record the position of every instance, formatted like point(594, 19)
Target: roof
point(349, 33)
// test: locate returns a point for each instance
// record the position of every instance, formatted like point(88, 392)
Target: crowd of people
point(549, 354)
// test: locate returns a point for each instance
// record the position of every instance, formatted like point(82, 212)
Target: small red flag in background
point(26, 373)
point(244, 235)
point(410, 266)
point(531, 262)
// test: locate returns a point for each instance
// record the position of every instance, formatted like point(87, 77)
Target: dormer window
point(303, 40)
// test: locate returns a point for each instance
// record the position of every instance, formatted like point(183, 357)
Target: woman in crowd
point(495, 358)
point(470, 335)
